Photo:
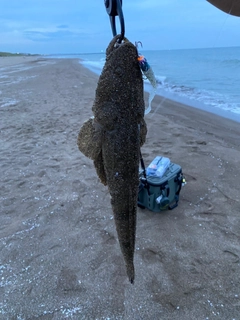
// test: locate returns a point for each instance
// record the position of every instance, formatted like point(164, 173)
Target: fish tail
point(128, 254)
point(125, 221)
point(130, 272)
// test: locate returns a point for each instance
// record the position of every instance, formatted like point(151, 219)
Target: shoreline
point(11, 61)
point(205, 120)
point(178, 99)
point(221, 121)
point(200, 106)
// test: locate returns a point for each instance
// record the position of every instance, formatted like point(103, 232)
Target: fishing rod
point(114, 8)
point(229, 6)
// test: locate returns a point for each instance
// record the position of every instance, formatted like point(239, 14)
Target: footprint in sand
point(152, 256)
point(107, 237)
point(68, 281)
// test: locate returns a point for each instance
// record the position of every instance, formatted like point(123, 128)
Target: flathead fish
point(112, 139)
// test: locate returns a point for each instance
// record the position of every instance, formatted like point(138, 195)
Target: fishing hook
point(114, 8)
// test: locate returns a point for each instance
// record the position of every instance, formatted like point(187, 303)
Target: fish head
point(122, 56)
point(119, 93)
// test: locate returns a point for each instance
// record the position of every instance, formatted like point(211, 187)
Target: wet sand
point(59, 255)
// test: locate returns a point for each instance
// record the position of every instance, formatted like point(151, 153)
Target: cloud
point(48, 36)
point(63, 26)
point(61, 33)
point(73, 25)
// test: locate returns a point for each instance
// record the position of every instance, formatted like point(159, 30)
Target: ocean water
point(204, 78)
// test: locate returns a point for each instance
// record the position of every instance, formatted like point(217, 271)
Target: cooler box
point(158, 194)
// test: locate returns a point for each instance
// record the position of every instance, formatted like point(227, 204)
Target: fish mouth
point(113, 45)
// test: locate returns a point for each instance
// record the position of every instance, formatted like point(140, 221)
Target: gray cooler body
point(158, 194)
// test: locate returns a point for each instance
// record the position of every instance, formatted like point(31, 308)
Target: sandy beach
point(16, 60)
point(59, 254)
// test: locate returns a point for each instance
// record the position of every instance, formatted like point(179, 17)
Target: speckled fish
point(112, 138)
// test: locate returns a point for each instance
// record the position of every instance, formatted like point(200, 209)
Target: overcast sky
point(77, 26)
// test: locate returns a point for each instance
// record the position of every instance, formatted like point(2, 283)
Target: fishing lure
point(149, 74)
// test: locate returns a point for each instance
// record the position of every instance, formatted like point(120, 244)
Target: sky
point(83, 26)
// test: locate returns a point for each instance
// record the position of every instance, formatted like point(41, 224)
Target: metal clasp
point(114, 8)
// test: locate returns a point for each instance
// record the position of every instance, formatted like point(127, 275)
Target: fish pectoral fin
point(90, 144)
point(89, 139)
point(99, 166)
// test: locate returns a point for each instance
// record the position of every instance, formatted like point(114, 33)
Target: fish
point(112, 138)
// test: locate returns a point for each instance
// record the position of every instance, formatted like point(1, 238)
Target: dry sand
point(11, 61)
point(59, 255)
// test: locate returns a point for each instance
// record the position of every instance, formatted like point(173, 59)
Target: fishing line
point(221, 30)
point(151, 114)
point(148, 72)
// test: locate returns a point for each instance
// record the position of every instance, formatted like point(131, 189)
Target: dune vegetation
point(9, 54)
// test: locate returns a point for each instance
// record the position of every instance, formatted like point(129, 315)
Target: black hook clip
point(114, 8)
